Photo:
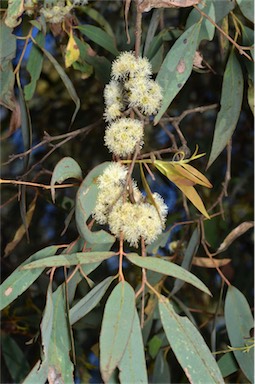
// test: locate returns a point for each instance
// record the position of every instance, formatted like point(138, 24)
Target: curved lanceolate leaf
point(188, 257)
point(68, 260)
point(58, 354)
point(100, 37)
point(247, 8)
point(85, 203)
point(231, 102)
point(189, 346)
point(66, 168)
point(34, 66)
point(38, 374)
point(88, 302)
point(207, 28)
point(116, 328)
point(239, 322)
point(161, 373)
point(177, 67)
point(132, 365)
point(167, 268)
point(99, 18)
point(20, 279)
point(67, 82)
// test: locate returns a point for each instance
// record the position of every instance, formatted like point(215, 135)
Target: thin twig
point(28, 183)
point(239, 47)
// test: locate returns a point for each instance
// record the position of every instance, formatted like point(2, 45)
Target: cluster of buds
point(53, 11)
point(120, 204)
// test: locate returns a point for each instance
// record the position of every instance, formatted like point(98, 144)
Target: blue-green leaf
point(87, 303)
point(207, 28)
point(100, 37)
point(239, 322)
point(34, 66)
point(189, 346)
point(167, 268)
point(116, 328)
point(227, 364)
point(177, 67)
point(14, 358)
point(58, 356)
point(132, 365)
point(66, 168)
point(247, 8)
point(38, 374)
point(20, 280)
point(98, 17)
point(161, 373)
point(68, 260)
point(231, 102)
point(85, 203)
point(187, 260)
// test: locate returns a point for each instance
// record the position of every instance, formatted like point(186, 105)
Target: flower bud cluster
point(131, 86)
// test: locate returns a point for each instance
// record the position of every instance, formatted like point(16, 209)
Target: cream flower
point(122, 136)
point(144, 94)
point(136, 221)
point(55, 14)
point(113, 111)
point(128, 65)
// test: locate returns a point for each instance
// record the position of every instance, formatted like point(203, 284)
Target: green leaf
point(67, 82)
point(87, 303)
point(167, 268)
point(7, 80)
point(116, 328)
point(85, 203)
point(187, 260)
point(132, 365)
point(161, 373)
point(65, 169)
point(153, 26)
point(231, 102)
point(177, 67)
point(227, 364)
point(189, 346)
point(14, 11)
point(68, 260)
point(207, 28)
point(20, 280)
point(98, 17)
point(34, 66)
point(223, 8)
point(239, 322)
point(247, 8)
point(8, 45)
point(100, 37)
point(60, 365)
point(14, 358)
point(101, 65)
point(47, 322)
point(38, 374)
point(154, 345)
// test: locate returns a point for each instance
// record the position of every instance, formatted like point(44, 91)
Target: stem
point(138, 30)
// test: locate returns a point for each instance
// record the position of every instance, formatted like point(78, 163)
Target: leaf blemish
point(185, 41)
point(8, 291)
point(181, 66)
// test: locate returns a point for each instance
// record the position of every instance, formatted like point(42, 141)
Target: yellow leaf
point(194, 197)
point(72, 51)
point(184, 176)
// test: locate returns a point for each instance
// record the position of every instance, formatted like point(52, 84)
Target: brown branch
point(45, 186)
point(48, 139)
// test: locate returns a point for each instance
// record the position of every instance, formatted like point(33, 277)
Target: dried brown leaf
point(209, 263)
point(147, 5)
point(238, 231)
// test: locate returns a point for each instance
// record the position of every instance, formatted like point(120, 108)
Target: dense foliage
point(127, 163)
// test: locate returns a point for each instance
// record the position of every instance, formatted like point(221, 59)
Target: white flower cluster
point(55, 12)
point(133, 220)
point(131, 86)
point(120, 204)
